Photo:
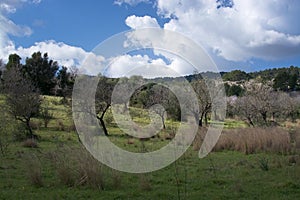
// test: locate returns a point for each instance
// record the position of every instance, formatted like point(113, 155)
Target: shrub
point(35, 125)
point(34, 170)
point(72, 127)
point(264, 164)
point(8, 128)
point(76, 167)
point(60, 125)
point(144, 183)
point(46, 115)
point(30, 143)
point(89, 171)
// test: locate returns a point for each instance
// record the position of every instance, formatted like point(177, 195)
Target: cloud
point(64, 54)
point(128, 65)
point(8, 27)
point(7, 8)
point(240, 30)
point(130, 2)
point(136, 22)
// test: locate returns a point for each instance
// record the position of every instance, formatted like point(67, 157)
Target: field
point(59, 167)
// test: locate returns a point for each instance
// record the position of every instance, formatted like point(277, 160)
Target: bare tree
point(244, 109)
point(261, 105)
point(22, 98)
point(159, 96)
point(204, 101)
point(103, 99)
point(261, 98)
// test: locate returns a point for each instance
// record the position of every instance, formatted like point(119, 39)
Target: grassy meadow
point(247, 163)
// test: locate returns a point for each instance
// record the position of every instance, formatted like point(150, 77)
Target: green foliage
point(236, 75)
point(233, 90)
point(286, 81)
point(65, 82)
point(45, 114)
point(14, 60)
point(264, 164)
point(7, 129)
point(41, 71)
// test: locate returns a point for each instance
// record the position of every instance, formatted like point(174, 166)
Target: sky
point(249, 35)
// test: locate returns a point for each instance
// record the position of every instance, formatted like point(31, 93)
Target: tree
point(45, 114)
point(14, 60)
point(233, 90)
point(64, 82)
point(204, 99)
point(103, 99)
point(286, 80)
point(2, 66)
point(236, 75)
point(22, 98)
point(261, 106)
point(159, 96)
point(244, 108)
point(42, 72)
point(261, 98)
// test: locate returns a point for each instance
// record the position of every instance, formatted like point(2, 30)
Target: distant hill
point(284, 79)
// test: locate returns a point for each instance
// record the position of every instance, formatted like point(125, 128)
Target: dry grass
point(296, 138)
point(34, 170)
point(144, 183)
point(35, 125)
point(61, 126)
point(250, 140)
point(76, 167)
point(30, 143)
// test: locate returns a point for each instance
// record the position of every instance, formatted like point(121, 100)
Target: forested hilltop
point(54, 79)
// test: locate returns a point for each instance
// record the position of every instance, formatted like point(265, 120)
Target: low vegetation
point(41, 155)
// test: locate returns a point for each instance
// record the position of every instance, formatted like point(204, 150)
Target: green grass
point(221, 175)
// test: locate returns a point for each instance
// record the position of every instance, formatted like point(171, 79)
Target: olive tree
point(103, 99)
point(159, 96)
point(21, 97)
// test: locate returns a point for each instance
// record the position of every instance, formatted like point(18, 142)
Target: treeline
point(259, 98)
point(45, 74)
point(284, 79)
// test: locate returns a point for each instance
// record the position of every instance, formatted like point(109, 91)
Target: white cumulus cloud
point(128, 65)
point(136, 22)
point(250, 29)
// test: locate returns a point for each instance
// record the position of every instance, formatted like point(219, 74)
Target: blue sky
point(238, 34)
point(78, 23)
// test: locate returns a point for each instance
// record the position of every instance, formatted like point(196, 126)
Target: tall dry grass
point(76, 167)
point(34, 170)
point(250, 140)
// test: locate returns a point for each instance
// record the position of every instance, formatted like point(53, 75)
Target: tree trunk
point(250, 121)
point(206, 118)
point(125, 108)
point(163, 122)
point(101, 119)
point(264, 116)
point(201, 120)
point(103, 126)
point(30, 135)
point(29, 127)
